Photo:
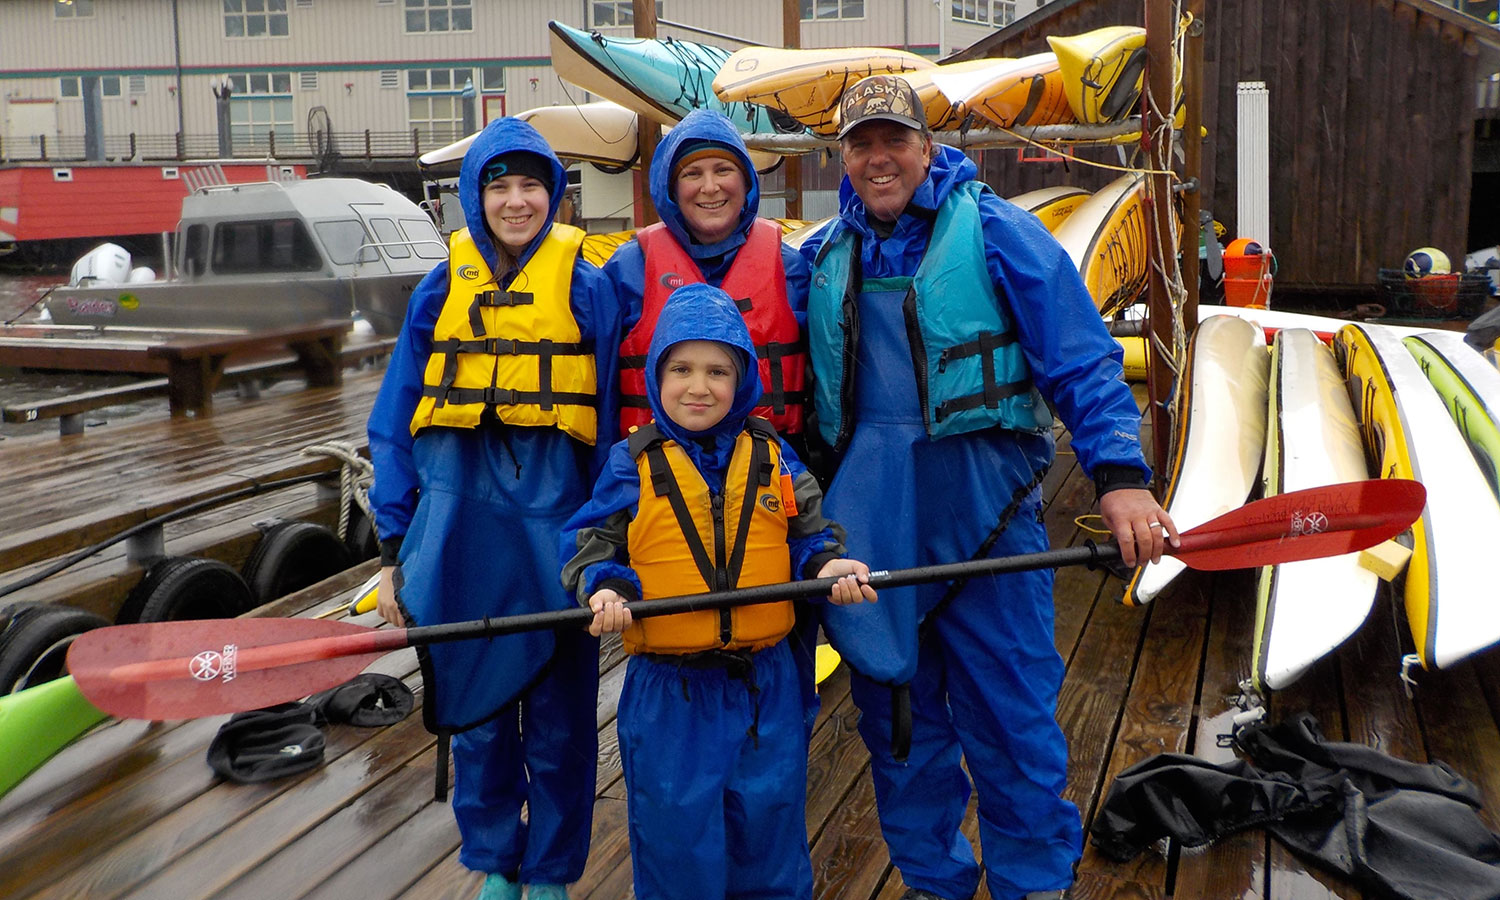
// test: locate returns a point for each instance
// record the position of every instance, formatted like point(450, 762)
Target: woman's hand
point(610, 614)
point(853, 584)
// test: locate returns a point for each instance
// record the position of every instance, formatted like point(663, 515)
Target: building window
point(72, 9)
point(255, 18)
point(260, 104)
point(70, 86)
point(492, 80)
point(998, 13)
point(832, 9)
point(434, 106)
point(610, 13)
point(438, 15)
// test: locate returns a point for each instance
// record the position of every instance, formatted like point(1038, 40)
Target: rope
point(355, 477)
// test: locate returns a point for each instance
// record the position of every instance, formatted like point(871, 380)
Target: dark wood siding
point(1372, 125)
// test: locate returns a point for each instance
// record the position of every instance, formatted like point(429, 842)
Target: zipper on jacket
point(721, 570)
point(918, 351)
point(851, 344)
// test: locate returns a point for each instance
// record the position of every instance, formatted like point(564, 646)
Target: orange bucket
point(1247, 274)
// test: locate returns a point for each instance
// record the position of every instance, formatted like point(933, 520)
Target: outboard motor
point(108, 263)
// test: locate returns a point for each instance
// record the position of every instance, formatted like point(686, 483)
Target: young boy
point(495, 411)
point(712, 737)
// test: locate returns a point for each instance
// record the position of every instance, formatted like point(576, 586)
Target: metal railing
point(315, 147)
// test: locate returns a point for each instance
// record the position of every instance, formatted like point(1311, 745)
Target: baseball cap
point(888, 97)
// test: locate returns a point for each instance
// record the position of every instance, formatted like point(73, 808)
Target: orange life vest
point(686, 540)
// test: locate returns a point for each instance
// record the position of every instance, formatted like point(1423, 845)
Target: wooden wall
point(1372, 124)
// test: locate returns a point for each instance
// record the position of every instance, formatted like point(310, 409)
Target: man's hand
point(1140, 526)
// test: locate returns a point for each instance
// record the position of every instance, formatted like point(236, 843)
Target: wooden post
point(791, 38)
point(1192, 146)
point(1158, 156)
point(648, 132)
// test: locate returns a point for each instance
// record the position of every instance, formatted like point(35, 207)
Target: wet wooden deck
point(133, 811)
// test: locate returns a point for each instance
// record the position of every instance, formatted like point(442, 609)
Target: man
point(939, 319)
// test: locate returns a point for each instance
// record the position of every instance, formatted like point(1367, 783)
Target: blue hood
point(949, 168)
point(701, 125)
point(504, 136)
point(701, 312)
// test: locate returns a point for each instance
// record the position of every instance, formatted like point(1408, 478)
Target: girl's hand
point(853, 584)
point(385, 598)
point(610, 614)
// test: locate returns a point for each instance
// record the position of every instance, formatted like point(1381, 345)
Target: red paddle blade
point(183, 670)
point(1322, 521)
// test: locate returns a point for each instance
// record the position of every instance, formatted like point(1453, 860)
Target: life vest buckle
point(498, 396)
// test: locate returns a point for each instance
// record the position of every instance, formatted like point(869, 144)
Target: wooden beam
point(1192, 147)
point(791, 38)
point(1156, 142)
point(648, 132)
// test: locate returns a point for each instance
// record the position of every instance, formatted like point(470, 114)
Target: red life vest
point(757, 282)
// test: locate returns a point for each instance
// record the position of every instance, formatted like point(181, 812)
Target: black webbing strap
point(498, 396)
point(633, 401)
point(991, 392)
point(440, 772)
point(987, 342)
point(444, 392)
point(633, 362)
point(744, 304)
point(664, 483)
point(504, 347)
point(493, 299)
point(989, 397)
point(774, 352)
point(761, 470)
point(900, 722)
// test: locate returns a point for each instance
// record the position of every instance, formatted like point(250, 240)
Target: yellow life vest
point(685, 540)
point(517, 352)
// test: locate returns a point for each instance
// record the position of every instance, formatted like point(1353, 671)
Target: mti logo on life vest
point(672, 280)
point(468, 273)
point(770, 502)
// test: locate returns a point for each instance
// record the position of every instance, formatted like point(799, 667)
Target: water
point(18, 301)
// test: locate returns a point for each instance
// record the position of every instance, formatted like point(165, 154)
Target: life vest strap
point(633, 362)
point(987, 342)
point(778, 396)
point(990, 396)
point(744, 304)
point(665, 485)
point(503, 347)
point(497, 396)
point(495, 298)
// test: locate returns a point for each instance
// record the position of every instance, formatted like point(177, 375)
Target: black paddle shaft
point(1088, 553)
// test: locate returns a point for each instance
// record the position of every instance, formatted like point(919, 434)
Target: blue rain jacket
point(895, 482)
point(626, 269)
point(472, 515)
point(693, 312)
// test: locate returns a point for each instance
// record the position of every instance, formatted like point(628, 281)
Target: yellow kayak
point(1102, 71)
point(805, 84)
point(1052, 205)
point(1010, 92)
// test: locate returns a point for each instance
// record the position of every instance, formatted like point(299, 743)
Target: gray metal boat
point(267, 255)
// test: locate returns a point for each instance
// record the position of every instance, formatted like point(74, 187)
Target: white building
point(390, 72)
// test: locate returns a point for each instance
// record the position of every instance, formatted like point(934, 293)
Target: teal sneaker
point(546, 892)
point(498, 887)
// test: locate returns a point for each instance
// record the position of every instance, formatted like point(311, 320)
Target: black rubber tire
point(34, 644)
point(292, 556)
point(186, 587)
point(361, 539)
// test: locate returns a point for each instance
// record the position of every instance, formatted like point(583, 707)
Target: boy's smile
point(698, 381)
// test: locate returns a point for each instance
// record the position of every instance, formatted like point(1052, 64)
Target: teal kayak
point(661, 79)
point(38, 722)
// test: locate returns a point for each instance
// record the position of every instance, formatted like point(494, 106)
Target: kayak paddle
point(183, 670)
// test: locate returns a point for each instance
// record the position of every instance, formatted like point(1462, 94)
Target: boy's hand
point(610, 614)
point(853, 584)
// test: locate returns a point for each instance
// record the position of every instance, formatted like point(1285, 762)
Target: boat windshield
point(267, 245)
point(342, 238)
